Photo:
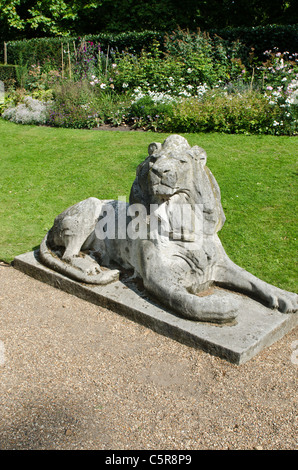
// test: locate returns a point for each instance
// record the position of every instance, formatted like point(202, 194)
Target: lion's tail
point(49, 259)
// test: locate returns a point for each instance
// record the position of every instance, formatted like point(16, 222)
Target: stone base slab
point(256, 326)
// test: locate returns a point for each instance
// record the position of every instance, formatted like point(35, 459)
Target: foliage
point(191, 82)
point(31, 111)
point(48, 49)
point(8, 73)
point(189, 61)
point(44, 16)
point(73, 105)
point(146, 71)
point(259, 38)
point(78, 105)
point(39, 82)
point(280, 77)
point(87, 60)
point(206, 59)
point(25, 18)
point(149, 113)
point(223, 112)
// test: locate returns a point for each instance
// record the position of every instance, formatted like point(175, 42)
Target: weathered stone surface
point(176, 251)
point(255, 328)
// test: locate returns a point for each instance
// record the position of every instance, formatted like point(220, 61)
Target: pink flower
point(269, 87)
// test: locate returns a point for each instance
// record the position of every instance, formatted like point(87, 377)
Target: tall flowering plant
point(87, 60)
point(280, 82)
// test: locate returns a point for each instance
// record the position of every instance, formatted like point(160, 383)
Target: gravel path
point(77, 376)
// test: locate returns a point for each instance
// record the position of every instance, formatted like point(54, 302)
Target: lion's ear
point(200, 154)
point(153, 148)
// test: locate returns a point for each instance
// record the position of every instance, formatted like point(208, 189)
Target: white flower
point(103, 86)
point(124, 85)
point(201, 89)
point(184, 93)
point(293, 99)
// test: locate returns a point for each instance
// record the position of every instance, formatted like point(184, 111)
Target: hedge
point(32, 51)
point(261, 38)
point(8, 72)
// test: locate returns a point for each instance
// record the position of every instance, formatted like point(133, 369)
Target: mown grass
point(44, 170)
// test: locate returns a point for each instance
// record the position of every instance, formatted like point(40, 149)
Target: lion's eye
point(183, 161)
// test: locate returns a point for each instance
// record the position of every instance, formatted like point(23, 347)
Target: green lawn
point(44, 170)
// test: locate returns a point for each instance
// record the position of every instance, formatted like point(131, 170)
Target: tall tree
point(43, 17)
point(29, 18)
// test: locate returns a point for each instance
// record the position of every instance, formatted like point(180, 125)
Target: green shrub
point(149, 114)
point(261, 38)
point(209, 59)
point(73, 105)
point(111, 108)
point(8, 73)
point(147, 71)
point(81, 105)
point(48, 50)
point(220, 112)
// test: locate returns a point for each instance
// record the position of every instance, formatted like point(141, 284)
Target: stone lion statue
point(177, 253)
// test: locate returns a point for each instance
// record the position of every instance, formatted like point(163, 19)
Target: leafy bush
point(31, 111)
point(76, 117)
point(206, 59)
point(178, 76)
point(261, 38)
point(280, 78)
point(146, 71)
point(68, 92)
point(149, 113)
point(49, 49)
point(81, 105)
point(284, 37)
point(8, 73)
point(73, 105)
point(223, 112)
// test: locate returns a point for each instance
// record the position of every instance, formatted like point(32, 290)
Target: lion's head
point(175, 171)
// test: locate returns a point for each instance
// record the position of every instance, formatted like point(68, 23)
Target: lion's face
point(176, 173)
point(171, 168)
point(168, 175)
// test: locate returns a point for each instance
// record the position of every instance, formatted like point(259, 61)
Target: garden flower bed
point(194, 85)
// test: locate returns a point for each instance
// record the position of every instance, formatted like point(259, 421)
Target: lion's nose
point(154, 169)
point(160, 169)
